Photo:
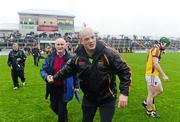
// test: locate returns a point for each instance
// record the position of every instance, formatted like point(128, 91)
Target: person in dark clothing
point(16, 60)
point(96, 66)
point(36, 55)
point(58, 90)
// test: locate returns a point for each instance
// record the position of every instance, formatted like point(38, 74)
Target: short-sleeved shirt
point(150, 69)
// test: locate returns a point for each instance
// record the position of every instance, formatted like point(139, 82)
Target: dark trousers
point(58, 105)
point(89, 109)
point(36, 60)
point(15, 74)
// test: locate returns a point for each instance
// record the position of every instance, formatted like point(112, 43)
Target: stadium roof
point(9, 26)
point(46, 12)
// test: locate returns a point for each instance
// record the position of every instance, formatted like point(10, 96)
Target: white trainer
point(15, 88)
point(24, 83)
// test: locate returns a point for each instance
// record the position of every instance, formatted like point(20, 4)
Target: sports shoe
point(15, 88)
point(144, 104)
point(152, 114)
point(24, 83)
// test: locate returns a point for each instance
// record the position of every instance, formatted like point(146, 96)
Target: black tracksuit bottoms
point(57, 103)
point(106, 110)
point(15, 74)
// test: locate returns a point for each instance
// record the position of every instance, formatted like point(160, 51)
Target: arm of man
point(44, 71)
point(158, 67)
point(9, 62)
point(69, 69)
point(123, 71)
point(22, 57)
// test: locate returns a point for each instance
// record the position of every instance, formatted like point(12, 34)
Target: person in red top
point(52, 64)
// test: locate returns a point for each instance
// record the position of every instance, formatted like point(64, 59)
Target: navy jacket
point(47, 67)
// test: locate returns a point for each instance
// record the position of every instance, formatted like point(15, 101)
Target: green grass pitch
point(27, 104)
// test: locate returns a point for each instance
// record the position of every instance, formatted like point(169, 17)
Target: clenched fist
point(50, 79)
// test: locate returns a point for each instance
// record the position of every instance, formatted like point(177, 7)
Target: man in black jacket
point(96, 66)
point(36, 54)
point(16, 60)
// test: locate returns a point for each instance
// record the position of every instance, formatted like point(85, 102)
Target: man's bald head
point(88, 39)
point(60, 40)
point(86, 31)
point(60, 45)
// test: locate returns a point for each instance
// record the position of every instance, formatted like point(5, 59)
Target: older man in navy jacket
point(58, 90)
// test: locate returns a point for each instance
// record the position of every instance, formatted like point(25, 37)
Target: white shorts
point(153, 80)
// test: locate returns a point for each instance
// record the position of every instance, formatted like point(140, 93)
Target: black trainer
point(152, 114)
